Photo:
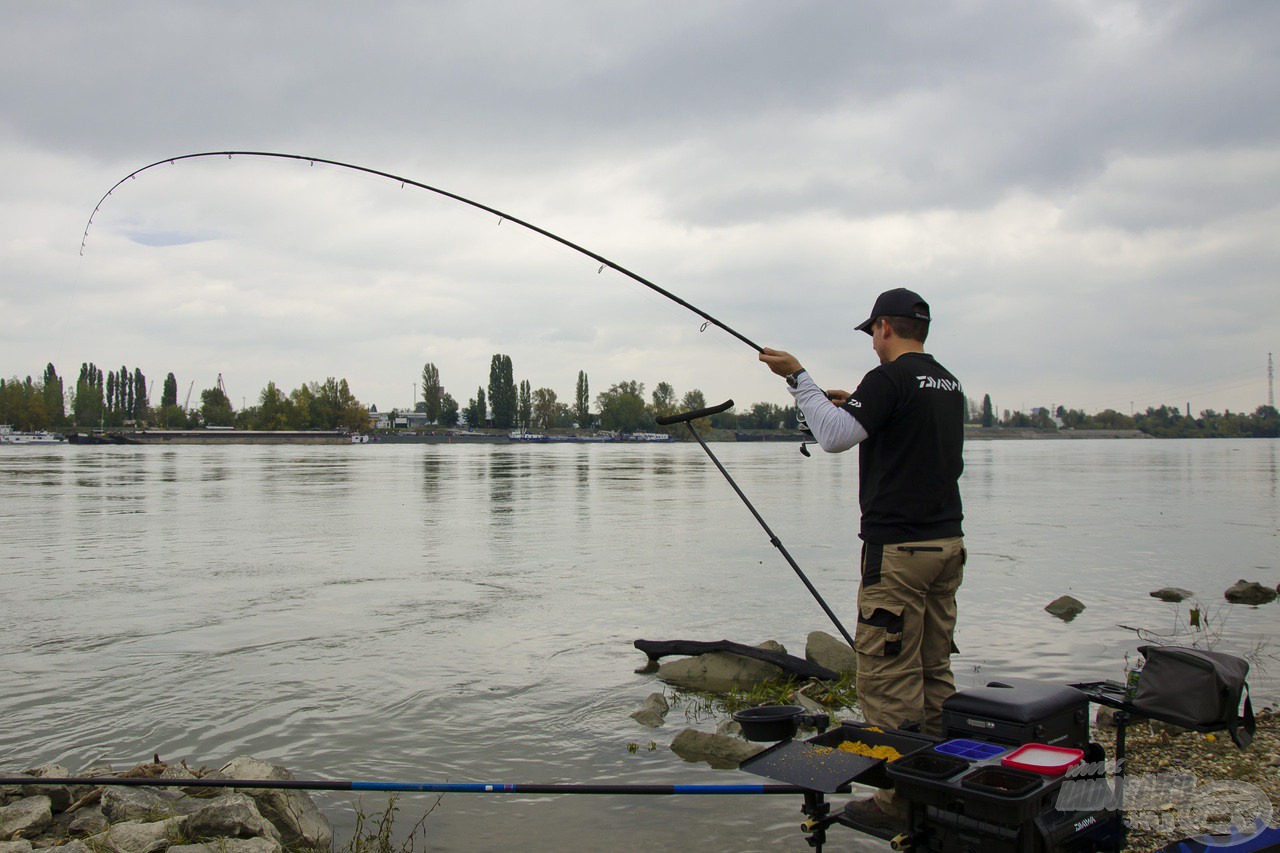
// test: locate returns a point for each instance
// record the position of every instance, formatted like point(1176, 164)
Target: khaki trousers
point(904, 638)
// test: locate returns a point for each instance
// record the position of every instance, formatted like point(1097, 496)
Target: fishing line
point(403, 181)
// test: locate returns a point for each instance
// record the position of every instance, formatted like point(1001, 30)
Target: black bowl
point(769, 723)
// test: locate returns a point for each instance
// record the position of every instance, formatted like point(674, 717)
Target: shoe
point(867, 813)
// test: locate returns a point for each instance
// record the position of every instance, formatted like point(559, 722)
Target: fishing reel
point(803, 426)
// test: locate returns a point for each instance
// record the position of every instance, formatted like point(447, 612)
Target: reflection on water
point(460, 613)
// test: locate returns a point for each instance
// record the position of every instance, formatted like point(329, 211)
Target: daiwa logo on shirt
point(938, 384)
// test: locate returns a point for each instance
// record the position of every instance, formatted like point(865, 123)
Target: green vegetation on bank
point(834, 697)
point(122, 399)
point(119, 399)
point(1161, 422)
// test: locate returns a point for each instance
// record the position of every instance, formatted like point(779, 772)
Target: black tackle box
point(1016, 711)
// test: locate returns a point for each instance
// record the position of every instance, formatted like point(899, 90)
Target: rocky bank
point(1175, 775)
point(142, 819)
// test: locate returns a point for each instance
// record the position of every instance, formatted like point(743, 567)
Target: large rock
point(59, 795)
point(720, 751)
point(231, 845)
point(135, 837)
point(653, 712)
point(1065, 608)
point(22, 845)
point(231, 816)
point(25, 818)
point(140, 805)
point(718, 672)
point(87, 821)
point(1249, 592)
point(1172, 594)
point(825, 650)
point(301, 824)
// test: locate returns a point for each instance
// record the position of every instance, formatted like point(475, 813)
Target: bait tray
point(818, 765)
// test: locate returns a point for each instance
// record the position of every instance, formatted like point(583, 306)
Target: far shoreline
point(501, 437)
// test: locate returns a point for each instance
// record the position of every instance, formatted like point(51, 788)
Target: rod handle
point(685, 417)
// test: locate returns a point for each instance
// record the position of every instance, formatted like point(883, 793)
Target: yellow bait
point(857, 747)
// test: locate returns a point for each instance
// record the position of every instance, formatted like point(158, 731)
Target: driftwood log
point(657, 649)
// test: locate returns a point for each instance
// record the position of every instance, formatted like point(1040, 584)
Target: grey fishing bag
point(1196, 689)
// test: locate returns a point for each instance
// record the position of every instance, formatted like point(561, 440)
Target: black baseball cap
point(898, 302)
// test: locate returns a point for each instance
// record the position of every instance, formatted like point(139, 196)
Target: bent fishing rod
point(502, 216)
point(405, 787)
point(687, 419)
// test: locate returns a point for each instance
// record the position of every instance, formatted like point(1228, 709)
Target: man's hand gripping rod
point(687, 418)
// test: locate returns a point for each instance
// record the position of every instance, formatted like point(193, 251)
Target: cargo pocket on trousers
point(879, 631)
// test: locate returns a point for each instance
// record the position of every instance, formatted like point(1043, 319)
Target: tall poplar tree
point(503, 402)
point(169, 396)
point(526, 404)
point(124, 392)
point(582, 402)
point(54, 396)
point(476, 410)
point(140, 401)
point(87, 408)
point(431, 391)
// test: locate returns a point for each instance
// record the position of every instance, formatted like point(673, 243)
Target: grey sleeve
point(835, 428)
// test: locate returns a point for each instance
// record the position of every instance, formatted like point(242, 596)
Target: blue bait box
point(970, 749)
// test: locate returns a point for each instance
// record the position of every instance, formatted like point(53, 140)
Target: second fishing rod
point(687, 418)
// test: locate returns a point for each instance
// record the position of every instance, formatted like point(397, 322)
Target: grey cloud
point(775, 164)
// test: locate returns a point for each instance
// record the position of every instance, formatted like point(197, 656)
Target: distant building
point(409, 420)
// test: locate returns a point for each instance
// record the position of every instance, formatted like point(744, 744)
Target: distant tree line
point(121, 398)
point(1169, 422)
point(116, 399)
point(507, 404)
point(1158, 421)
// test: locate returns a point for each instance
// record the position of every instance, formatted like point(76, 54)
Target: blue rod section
point(511, 788)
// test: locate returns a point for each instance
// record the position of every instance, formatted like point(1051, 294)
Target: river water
point(465, 613)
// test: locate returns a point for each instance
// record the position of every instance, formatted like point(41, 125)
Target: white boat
point(9, 436)
point(526, 436)
point(648, 436)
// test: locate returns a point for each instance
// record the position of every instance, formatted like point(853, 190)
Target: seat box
point(1017, 711)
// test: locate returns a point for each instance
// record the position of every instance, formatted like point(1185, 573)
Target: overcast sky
point(1087, 193)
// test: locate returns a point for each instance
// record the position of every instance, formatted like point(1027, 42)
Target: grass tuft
point(834, 696)
point(375, 833)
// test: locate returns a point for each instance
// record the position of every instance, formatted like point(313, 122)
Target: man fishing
point(907, 418)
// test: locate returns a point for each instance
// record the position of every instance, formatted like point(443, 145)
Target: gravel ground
point(1180, 785)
